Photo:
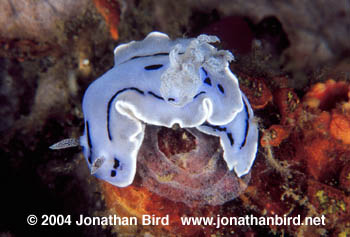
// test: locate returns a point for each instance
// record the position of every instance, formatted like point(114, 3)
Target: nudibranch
point(163, 82)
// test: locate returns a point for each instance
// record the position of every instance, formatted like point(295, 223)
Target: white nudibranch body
point(163, 82)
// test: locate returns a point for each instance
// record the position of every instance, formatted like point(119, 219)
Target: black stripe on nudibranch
point(207, 81)
point(110, 104)
point(202, 92)
point(218, 128)
point(171, 99)
point(221, 129)
point(88, 134)
point(113, 173)
point(221, 89)
point(152, 55)
point(155, 95)
point(229, 136)
point(136, 89)
point(89, 141)
point(116, 163)
point(246, 125)
point(153, 67)
point(160, 54)
point(205, 72)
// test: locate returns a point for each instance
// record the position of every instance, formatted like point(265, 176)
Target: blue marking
point(153, 67)
point(116, 163)
point(207, 81)
point(113, 173)
point(205, 72)
point(221, 89)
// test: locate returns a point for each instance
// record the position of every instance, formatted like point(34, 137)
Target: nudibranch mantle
point(163, 82)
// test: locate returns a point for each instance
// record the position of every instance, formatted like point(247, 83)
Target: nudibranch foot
point(163, 82)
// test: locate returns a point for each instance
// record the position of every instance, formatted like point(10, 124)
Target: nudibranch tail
point(162, 82)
